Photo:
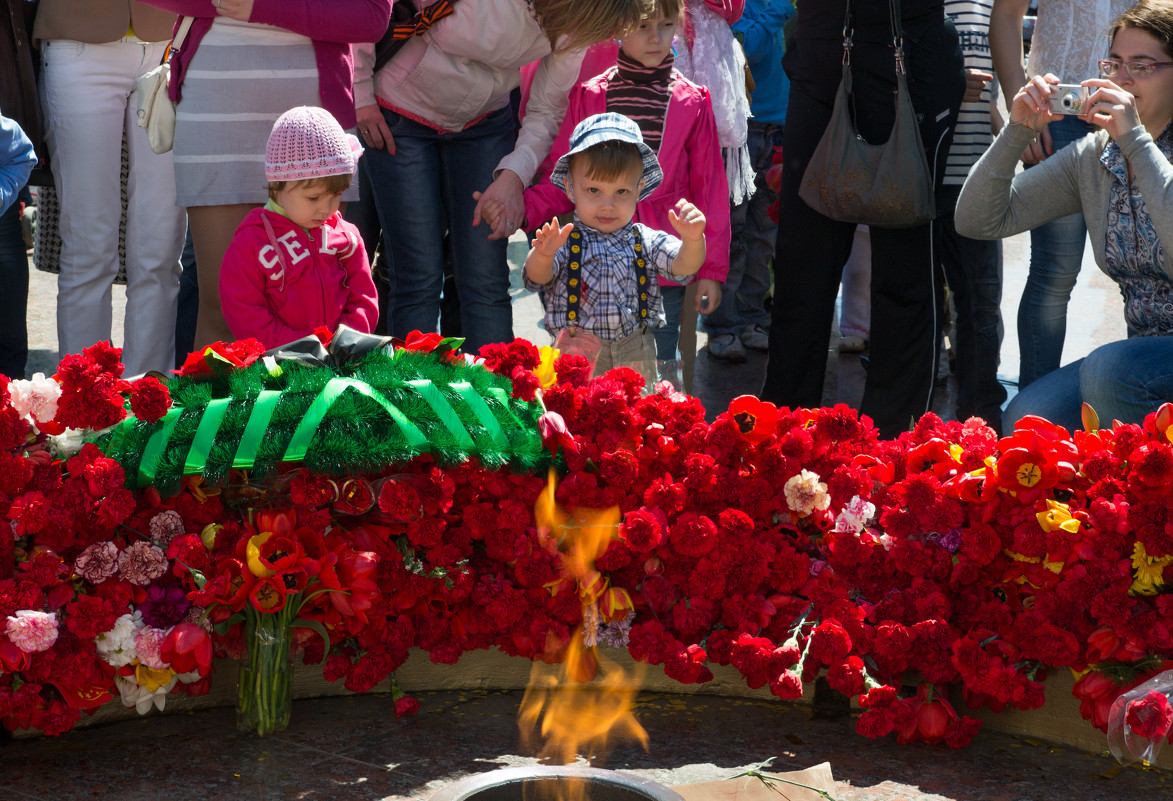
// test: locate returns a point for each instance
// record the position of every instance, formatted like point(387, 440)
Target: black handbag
point(405, 23)
point(888, 185)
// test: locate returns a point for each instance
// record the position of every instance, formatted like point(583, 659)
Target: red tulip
point(188, 647)
point(268, 595)
point(555, 434)
point(755, 418)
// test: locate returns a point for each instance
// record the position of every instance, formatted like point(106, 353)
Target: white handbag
point(156, 112)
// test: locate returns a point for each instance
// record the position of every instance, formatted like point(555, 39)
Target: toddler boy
point(599, 272)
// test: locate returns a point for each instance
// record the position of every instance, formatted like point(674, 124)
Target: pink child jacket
point(690, 157)
point(279, 282)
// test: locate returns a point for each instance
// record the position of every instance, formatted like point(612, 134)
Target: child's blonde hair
point(330, 184)
point(587, 22)
point(668, 9)
point(610, 160)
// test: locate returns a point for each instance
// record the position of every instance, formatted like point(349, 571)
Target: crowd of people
point(632, 141)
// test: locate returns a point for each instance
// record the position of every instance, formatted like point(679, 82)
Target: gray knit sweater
point(996, 203)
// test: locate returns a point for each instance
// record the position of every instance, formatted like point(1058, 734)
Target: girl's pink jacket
point(279, 282)
point(690, 157)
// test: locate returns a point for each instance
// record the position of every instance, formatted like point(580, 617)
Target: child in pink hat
point(295, 265)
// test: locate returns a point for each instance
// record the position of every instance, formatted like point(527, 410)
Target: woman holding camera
point(1121, 178)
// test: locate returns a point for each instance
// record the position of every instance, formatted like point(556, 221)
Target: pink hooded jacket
point(279, 282)
point(690, 157)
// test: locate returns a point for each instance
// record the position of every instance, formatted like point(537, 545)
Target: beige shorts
point(636, 350)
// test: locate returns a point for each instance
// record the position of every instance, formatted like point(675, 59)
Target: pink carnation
point(141, 563)
point(166, 526)
point(97, 562)
point(147, 643)
point(32, 631)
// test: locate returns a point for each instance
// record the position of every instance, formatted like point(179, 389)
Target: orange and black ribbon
point(425, 18)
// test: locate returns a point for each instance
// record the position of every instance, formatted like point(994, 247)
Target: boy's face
point(308, 204)
point(651, 42)
point(605, 206)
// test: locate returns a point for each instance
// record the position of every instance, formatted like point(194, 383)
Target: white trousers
point(855, 317)
point(89, 99)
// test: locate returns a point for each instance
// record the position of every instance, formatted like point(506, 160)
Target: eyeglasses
point(1137, 70)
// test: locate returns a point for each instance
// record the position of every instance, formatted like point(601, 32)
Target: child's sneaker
point(727, 347)
point(756, 338)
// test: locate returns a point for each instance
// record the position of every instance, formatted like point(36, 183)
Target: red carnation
point(399, 501)
point(787, 685)
point(88, 616)
point(406, 705)
point(1152, 465)
point(573, 370)
point(847, 676)
point(149, 399)
point(829, 643)
point(693, 534)
point(1150, 717)
point(525, 383)
point(641, 530)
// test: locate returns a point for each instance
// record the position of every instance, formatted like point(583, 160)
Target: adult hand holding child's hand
point(688, 220)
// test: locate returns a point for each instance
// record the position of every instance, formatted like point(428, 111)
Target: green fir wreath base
point(378, 411)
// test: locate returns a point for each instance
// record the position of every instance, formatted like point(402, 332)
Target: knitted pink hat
point(307, 142)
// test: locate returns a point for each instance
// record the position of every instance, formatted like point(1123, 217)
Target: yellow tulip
point(253, 553)
point(545, 371)
point(208, 535)
point(1057, 516)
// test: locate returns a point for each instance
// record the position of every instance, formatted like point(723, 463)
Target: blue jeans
point(188, 303)
point(14, 277)
point(1122, 380)
point(422, 192)
point(743, 300)
point(668, 335)
point(973, 269)
point(1056, 252)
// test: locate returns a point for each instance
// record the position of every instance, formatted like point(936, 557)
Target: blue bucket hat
point(609, 127)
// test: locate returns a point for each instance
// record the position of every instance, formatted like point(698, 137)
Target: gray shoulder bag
point(888, 185)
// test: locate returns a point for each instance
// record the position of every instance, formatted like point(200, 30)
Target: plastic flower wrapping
point(387, 499)
point(1141, 720)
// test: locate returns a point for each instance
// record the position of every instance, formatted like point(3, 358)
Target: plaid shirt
point(609, 308)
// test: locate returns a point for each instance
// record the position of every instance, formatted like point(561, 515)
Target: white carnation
point(35, 398)
point(116, 646)
point(806, 494)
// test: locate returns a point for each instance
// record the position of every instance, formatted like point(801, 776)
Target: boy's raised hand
point(550, 237)
point(688, 220)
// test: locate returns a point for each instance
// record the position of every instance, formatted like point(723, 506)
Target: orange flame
point(584, 706)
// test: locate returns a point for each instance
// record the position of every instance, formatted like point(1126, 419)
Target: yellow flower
point(545, 371)
point(208, 535)
point(253, 554)
point(1149, 571)
point(152, 679)
point(1057, 516)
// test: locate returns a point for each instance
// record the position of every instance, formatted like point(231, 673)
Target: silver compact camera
point(1068, 98)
